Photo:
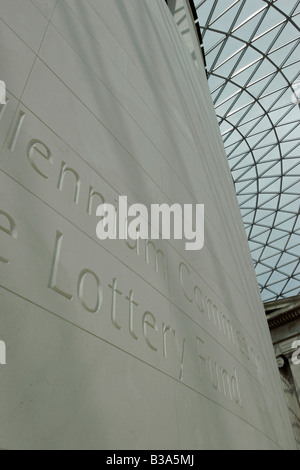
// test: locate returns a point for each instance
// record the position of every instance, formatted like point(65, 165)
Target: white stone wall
point(114, 344)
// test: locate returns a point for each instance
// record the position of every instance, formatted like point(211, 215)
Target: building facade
point(284, 322)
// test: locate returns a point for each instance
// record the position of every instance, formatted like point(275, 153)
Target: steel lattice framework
point(253, 62)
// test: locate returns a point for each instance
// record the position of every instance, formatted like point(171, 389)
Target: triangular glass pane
point(246, 187)
point(251, 126)
point(267, 31)
point(280, 285)
point(277, 55)
point(275, 235)
point(265, 138)
point(263, 278)
point(230, 90)
point(261, 269)
point(260, 81)
point(248, 202)
point(291, 210)
point(292, 284)
point(266, 185)
point(288, 225)
point(272, 203)
point(293, 57)
point(227, 67)
point(264, 74)
point(239, 148)
point(270, 97)
point(291, 70)
point(264, 167)
point(292, 293)
point(293, 243)
point(267, 221)
point(289, 201)
point(272, 255)
point(215, 82)
point(291, 114)
point(245, 174)
point(290, 164)
point(222, 19)
point(285, 6)
point(248, 25)
point(290, 131)
point(288, 262)
point(281, 243)
point(210, 39)
point(290, 182)
point(231, 47)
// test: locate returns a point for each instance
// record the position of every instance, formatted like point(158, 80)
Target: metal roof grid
point(253, 62)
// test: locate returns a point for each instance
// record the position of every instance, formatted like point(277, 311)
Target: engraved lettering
point(246, 348)
point(180, 354)
point(183, 268)
point(92, 195)
point(149, 320)
point(38, 147)
point(165, 330)
point(214, 381)
point(132, 304)
point(157, 254)
point(55, 266)
point(213, 313)
point(11, 230)
point(199, 299)
point(160, 256)
point(202, 359)
point(16, 132)
point(81, 281)
point(64, 171)
point(226, 383)
point(240, 342)
point(135, 246)
point(227, 328)
point(236, 389)
point(115, 291)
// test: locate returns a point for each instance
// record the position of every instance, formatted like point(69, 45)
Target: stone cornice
point(279, 319)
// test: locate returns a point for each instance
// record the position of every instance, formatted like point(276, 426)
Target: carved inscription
point(127, 314)
point(55, 268)
point(220, 379)
point(219, 320)
point(142, 324)
point(65, 170)
point(129, 317)
point(86, 275)
point(16, 131)
point(8, 226)
point(70, 185)
point(83, 276)
point(37, 149)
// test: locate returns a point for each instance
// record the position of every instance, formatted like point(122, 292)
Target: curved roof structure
point(253, 62)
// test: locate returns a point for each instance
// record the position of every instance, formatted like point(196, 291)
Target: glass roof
point(253, 62)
